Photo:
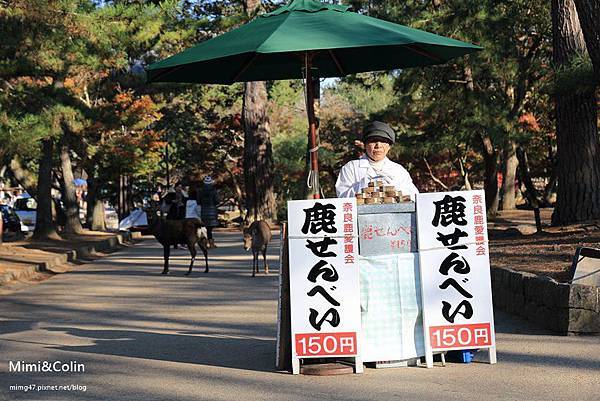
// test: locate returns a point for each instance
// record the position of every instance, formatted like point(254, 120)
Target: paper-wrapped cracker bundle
point(368, 191)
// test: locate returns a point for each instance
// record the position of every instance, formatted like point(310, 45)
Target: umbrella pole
point(312, 129)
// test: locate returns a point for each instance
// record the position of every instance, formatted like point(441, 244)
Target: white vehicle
point(137, 219)
point(26, 208)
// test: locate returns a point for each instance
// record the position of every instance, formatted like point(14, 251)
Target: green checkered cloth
point(392, 324)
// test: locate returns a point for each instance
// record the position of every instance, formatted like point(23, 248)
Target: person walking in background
point(192, 209)
point(208, 208)
point(175, 202)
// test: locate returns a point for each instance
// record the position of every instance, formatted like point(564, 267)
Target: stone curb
point(561, 307)
point(26, 272)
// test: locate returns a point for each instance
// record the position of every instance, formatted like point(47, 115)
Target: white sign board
point(455, 272)
point(324, 279)
point(587, 266)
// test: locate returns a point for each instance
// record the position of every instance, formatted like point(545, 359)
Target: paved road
point(143, 336)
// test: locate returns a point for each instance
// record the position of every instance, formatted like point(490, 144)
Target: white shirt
point(192, 209)
point(356, 174)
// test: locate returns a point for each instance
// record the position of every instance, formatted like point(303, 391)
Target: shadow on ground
point(224, 350)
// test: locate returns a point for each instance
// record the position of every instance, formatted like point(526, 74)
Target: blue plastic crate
point(461, 356)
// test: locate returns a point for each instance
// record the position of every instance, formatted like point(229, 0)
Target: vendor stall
point(386, 281)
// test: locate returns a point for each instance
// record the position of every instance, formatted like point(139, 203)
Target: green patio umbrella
point(310, 40)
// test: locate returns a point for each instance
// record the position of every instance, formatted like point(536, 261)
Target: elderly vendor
point(378, 138)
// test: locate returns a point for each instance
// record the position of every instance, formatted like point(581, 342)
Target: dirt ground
point(547, 253)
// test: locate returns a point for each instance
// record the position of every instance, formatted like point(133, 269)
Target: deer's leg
point(254, 263)
point(192, 248)
point(264, 252)
point(205, 252)
point(166, 254)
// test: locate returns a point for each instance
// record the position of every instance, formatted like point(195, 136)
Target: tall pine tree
point(576, 124)
point(258, 152)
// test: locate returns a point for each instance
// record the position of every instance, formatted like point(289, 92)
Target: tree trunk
point(258, 153)
point(578, 196)
point(550, 189)
point(44, 226)
point(72, 223)
point(491, 159)
point(549, 195)
point(239, 196)
point(98, 216)
point(90, 199)
point(490, 156)
point(509, 174)
point(464, 173)
point(124, 201)
point(589, 19)
point(95, 207)
point(24, 177)
point(531, 193)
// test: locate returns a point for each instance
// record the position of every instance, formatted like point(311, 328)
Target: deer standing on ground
point(180, 232)
point(257, 237)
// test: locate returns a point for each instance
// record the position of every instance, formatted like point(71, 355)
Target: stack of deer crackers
point(377, 193)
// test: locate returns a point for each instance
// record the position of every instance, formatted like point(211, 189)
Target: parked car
point(26, 208)
point(12, 226)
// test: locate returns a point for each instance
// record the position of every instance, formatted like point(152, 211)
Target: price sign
point(324, 284)
point(455, 272)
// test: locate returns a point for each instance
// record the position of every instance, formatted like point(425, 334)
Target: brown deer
point(257, 237)
point(179, 232)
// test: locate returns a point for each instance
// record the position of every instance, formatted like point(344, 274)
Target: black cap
point(379, 129)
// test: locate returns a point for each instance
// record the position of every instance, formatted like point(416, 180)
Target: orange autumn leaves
point(131, 143)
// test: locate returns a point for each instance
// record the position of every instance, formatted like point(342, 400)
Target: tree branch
point(433, 177)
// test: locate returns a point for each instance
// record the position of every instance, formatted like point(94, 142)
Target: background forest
point(74, 103)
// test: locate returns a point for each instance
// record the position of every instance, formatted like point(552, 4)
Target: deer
point(257, 237)
point(175, 232)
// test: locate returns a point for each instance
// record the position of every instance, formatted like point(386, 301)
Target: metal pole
point(312, 128)
point(167, 161)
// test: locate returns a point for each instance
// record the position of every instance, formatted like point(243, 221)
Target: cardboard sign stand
point(330, 367)
point(284, 340)
point(476, 334)
point(319, 313)
point(284, 360)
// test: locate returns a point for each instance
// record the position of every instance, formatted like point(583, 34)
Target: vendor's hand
point(364, 182)
point(387, 179)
